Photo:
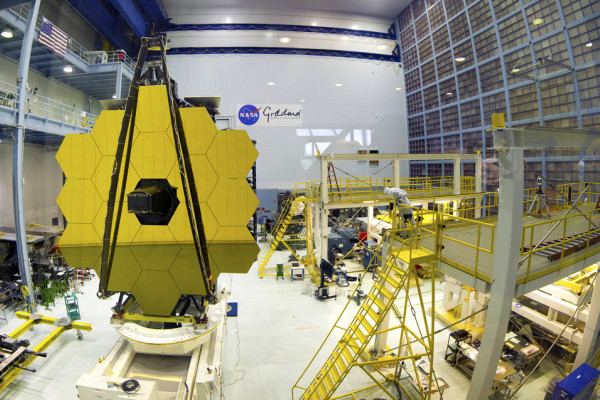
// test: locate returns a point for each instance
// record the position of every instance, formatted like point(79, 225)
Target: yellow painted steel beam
point(81, 326)
point(150, 318)
point(22, 329)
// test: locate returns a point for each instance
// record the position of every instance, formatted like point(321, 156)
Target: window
point(410, 58)
point(480, 15)
point(413, 80)
point(425, 50)
point(432, 122)
point(428, 73)
point(486, 45)
point(467, 84)
point(407, 38)
point(416, 128)
point(512, 32)
point(459, 28)
point(575, 10)
point(453, 7)
point(414, 103)
point(436, 15)
point(583, 34)
point(523, 102)
point(416, 146)
point(450, 120)
point(495, 103)
point(490, 76)
point(470, 114)
point(464, 50)
point(558, 95)
point(589, 87)
point(445, 65)
point(430, 97)
point(451, 145)
point(404, 19)
point(547, 11)
point(448, 92)
point(441, 40)
point(422, 27)
point(504, 7)
point(418, 7)
point(434, 146)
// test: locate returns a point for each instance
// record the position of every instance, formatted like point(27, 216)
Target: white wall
point(42, 184)
point(365, 113)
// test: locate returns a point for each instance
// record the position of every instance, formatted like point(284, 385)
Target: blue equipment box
point(578, 385)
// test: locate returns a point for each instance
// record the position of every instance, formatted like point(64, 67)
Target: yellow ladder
point(353, 349)
point(278, 232)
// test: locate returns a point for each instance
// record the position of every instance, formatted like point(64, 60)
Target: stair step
point(391, 280)
point(377, 302)
point(384, 291)
point(322, 389)
point(366, 324)
point(333, 370)
point(370, 311)
point(340, 362)
point(312, 393)
point(329, 384)
point(361, 336)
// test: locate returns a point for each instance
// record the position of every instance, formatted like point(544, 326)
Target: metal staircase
point(354, 348)
point(291, 205)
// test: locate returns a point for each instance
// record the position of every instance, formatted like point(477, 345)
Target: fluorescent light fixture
point(344, 37)
point(68, 68)
point(459, 59)
point(227, 20)
point(271, 83)
point(284, 39)
point(588, 44)
point(338, 84)
point(354, 27)
point(449, 94)
point(515, 70)
point(302, 100)
point(114, 96)
point(538, 21)
point(398, 88)
point(7, 32)
point(382, 47)
point(314, 23)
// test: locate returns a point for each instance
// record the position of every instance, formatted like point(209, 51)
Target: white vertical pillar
point(592, 326)
point(396, 166)
point(506, 258)
point(324, 187)
point(456, 175)
point(369, 218)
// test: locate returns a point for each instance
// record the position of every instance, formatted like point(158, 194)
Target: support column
point(119, 83)
point(478, 185)
point(323, 232)
point(592, 326)
point(324, 186)
point(369, 218)
point(18, 151)
point(456, 175)
point(396, 166)
point(506, 258)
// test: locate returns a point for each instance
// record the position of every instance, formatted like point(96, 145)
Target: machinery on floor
point(157, 202)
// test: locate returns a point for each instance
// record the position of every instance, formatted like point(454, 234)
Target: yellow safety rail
point(572, 229)
point(572, 190)
point(352, 349)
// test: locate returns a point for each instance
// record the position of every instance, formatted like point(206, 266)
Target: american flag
point(53, 37)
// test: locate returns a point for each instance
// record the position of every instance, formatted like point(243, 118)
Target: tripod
point(540, 199)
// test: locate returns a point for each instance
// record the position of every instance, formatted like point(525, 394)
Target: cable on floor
point(235, 368)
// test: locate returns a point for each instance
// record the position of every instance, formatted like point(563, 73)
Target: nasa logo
point(248, 114)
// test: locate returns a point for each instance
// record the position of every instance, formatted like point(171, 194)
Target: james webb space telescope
point(157, 202)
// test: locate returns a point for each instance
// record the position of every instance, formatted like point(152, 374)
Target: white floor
point(279, 327)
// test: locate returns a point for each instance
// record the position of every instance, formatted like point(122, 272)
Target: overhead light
point(538, 21)
point(338, 84)
point(449, 94)
point(227, 20)
point(68, 68)
point(284, 39)
point(344, 37)
point(302, 100)
point(114, 96)
point(459, 59)
point(588, 44)
point(515, 70)
point(271, 83)
point(354, 27)
point(7, 32)
point(398, 88)
point(314, 23)
point(382, 47)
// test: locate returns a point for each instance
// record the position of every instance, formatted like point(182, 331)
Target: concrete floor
point(279, 328)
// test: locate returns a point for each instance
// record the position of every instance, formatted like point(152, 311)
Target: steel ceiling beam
point(132, 15)
point(11, 3)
